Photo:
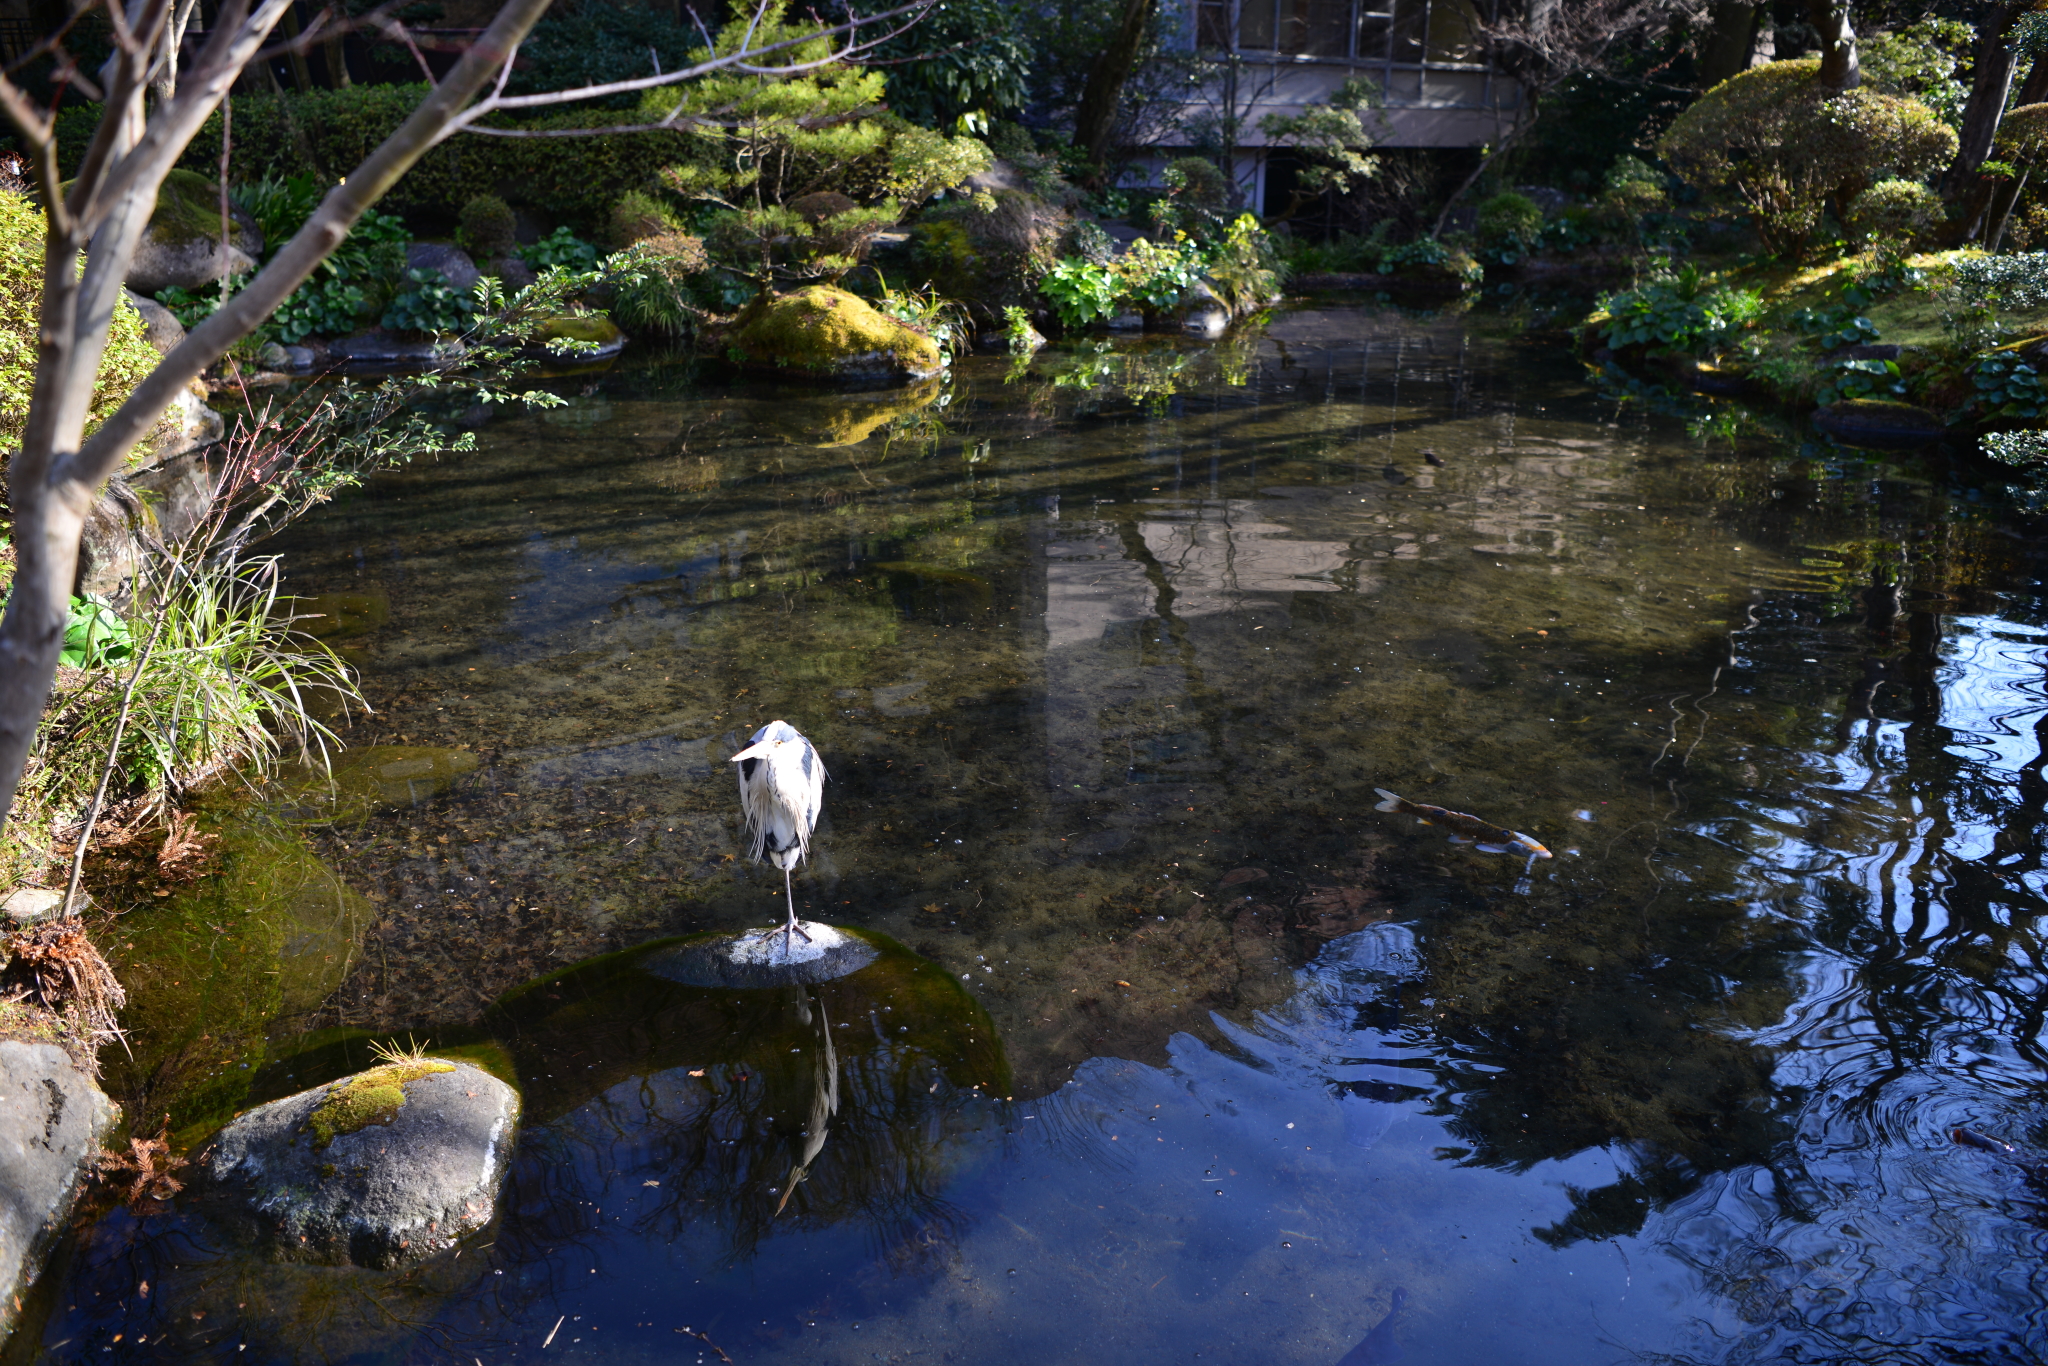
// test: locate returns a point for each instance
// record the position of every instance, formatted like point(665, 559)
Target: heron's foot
point(792, 928)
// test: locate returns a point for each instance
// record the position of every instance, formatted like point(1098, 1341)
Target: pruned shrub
point(1895, 216)
point(487, 226)
point(637, 217)
point(1509, 226)
point(1785, 146)
point(2015, 282)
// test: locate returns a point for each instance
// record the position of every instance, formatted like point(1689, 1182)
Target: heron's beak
point(753, 751)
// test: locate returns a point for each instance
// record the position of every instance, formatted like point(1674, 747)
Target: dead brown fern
point(55, 966)
point(148, 1168)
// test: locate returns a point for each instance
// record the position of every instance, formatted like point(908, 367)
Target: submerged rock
point(52, 1122)
point(1880, 424)
point(380, 349)
point(763, 958)
point(202, 1009)
point(830, 334)
point(381, 1169)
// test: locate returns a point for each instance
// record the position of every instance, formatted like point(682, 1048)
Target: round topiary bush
point(129, 357)
point(1784, 145)
point(487, 225)
point(1894, 216)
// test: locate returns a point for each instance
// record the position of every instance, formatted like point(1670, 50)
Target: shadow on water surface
point(1106, 658)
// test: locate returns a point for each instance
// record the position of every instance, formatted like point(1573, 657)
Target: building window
point(1373, 32)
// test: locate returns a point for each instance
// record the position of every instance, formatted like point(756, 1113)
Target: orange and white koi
point(1482, 835)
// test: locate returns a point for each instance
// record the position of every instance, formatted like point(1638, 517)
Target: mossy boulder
point(593, 329)
point(828, 333)
point(991, 251)
point(382, 1169)
point(182, 248)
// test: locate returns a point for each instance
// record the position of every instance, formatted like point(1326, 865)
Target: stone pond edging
point(53, 1120)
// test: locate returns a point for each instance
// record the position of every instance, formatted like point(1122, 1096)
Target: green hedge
point(573, 180)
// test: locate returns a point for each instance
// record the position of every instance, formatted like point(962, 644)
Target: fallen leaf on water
point(1121, 982)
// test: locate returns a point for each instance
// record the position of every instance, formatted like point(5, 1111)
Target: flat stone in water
point(764, 958)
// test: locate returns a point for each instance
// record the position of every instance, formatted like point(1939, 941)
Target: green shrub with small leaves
point(2018, 281)
point(1430, 260)
point(128, 358)
point(1510, 225)
point(1895, 217)
point(1782, 144)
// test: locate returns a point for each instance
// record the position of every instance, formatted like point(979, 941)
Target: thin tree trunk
point(2033, 90)
point(302, 73)
point(1095, 120)
point(1730, 41)
point(1838, 66)
point(336, 54)
point(1514, 136)
point(2001, 210)
point(1989, 85)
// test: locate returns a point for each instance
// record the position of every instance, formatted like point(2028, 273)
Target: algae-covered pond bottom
point(1188, 1052)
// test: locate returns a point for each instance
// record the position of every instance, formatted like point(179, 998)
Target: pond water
point(1190, 1053)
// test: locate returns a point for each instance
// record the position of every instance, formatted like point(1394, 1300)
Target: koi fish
point(1486, 838)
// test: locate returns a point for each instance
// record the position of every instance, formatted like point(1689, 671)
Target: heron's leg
point(792, 927)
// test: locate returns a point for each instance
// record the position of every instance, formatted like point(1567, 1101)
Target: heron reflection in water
point(824, 1094)
point(782, 786)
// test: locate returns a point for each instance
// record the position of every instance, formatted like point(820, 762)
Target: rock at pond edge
point(395, 1184)
point(1879, 423)
point(52, 1123)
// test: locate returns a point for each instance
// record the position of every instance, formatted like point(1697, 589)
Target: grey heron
point(782, 785)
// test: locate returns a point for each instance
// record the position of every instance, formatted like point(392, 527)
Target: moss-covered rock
point(182, 248)
point(188, 209)
point(991, 251)
point(828, 333)
point(383, 1169)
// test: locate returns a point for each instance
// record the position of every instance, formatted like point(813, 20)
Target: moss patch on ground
point(825, 331)
point(372, 1097)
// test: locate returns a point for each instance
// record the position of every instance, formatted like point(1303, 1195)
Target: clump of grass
point(231, 687)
